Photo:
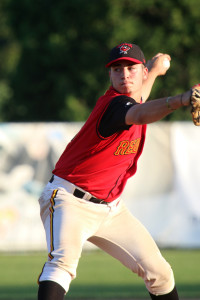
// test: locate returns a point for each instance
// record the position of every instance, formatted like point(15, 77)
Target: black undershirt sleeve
point(113, 119)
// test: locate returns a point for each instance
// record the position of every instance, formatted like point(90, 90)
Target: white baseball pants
point(69, 222)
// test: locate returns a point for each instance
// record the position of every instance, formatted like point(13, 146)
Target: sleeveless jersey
point(102, 166)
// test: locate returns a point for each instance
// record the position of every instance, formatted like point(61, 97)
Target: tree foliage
point(53, 54)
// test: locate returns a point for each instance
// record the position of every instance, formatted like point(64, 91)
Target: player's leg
point(61, 266)
point(68, 222)
point(126, 239)
point(173, 295)
point(50, 290)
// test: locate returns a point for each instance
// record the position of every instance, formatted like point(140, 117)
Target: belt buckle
point(87, 196)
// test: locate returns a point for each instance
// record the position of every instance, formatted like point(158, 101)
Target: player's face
point(127, 78)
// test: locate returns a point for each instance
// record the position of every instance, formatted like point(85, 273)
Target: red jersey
point(102, 165)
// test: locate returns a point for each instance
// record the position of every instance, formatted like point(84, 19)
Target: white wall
point(164, 193)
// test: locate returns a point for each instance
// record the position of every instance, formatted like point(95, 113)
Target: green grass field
point(99, 276)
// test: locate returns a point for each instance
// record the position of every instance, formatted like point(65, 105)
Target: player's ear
point(145, 73)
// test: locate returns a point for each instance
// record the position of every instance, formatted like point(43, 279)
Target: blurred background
point(52, 55)
point(52, 71)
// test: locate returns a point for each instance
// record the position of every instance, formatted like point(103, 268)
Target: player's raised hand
point(156, 67)
point(159, 64)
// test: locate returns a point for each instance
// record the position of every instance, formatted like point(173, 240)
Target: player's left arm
point(156, 67)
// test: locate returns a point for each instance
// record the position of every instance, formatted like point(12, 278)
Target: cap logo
point(124, 49)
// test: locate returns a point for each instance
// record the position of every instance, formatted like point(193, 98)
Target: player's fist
point(159, 64)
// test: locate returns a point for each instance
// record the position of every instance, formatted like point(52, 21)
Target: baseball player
point(82, 200)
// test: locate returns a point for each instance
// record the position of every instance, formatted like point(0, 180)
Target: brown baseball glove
point(195, 103)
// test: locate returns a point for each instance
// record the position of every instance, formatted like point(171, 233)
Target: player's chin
point(124, 89)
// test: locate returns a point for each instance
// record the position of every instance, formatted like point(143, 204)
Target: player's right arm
point(155, 68)
point(155, 110)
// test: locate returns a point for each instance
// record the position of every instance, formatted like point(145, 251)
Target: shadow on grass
point(18, 292)
point(87, 292)
point(107, 291)
point(126, 292)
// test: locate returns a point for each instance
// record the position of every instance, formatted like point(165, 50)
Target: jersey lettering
point(126, 147)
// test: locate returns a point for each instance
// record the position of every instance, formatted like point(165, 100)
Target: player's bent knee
point(159, 279)
point(51, 272)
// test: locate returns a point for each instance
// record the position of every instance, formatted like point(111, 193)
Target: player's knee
point(159, 279)
point(52, 272)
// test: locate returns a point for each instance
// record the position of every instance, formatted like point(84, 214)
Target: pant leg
point(126, 239)
point(68, 222)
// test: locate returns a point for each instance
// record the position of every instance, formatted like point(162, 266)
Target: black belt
point(80, 194)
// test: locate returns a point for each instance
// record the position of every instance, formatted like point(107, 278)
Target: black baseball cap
point(126, 51)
